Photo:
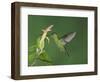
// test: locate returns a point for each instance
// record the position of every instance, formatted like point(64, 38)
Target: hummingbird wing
point(67, 37)
point(59, 44)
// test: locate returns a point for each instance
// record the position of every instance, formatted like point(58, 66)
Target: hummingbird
point(64, 40)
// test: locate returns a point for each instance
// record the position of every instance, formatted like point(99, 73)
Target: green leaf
point(31, 58)
point(32, 48)
point(47, 39)
point(38, 42)
point(45, 58)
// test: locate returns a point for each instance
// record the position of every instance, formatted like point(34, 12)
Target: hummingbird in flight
point(64, 40)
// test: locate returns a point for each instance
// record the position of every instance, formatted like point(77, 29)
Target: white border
point(25, 70)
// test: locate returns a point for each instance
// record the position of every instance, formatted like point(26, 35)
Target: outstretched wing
point(67, 38)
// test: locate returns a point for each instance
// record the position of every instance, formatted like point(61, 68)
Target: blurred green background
point(77, 48)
